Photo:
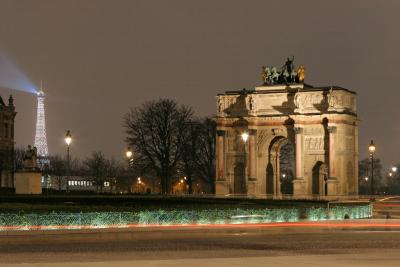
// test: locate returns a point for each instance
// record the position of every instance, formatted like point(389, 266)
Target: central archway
point(319, 186)
point(287, 167)
point(280, 169)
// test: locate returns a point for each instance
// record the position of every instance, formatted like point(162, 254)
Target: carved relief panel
point(309, 102)
point(314, 143)
point(341, 101)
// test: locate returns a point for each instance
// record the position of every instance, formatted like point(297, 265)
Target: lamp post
point(366, 184)
point(371, 149)
point(129, 155)
point(245, 137)
point(68, 140)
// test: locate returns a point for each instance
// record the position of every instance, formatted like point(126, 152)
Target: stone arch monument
point(302, 140)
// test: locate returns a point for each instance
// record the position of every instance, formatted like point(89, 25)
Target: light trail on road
point(325, 224)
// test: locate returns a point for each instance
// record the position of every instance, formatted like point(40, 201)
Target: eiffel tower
point(40, 135)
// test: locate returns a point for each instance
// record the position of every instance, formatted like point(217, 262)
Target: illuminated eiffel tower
point(40, 135)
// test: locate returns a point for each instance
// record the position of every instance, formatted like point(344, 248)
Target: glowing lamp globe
point(371, 147)
point(68, 138)
point(129, 153)
point(245, 136)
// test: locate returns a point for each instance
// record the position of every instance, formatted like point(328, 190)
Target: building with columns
point(7, 115)
point(288, 139)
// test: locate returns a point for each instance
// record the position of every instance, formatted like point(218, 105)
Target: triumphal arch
point(287, 138)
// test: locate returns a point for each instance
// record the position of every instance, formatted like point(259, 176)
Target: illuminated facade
point(302, 142)
point(7, 115)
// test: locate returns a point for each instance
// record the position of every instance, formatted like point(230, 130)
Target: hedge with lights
point(23, 221)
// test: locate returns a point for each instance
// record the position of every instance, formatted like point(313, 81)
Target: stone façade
point(7, 116)
point(320, 122)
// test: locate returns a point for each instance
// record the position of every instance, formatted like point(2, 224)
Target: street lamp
point(371, 149)
point(245, 136)
point(366, 184)
point(129, 153)
point(394, 169)
point(68, 140)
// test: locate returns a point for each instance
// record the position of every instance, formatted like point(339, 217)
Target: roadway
point(343, 245)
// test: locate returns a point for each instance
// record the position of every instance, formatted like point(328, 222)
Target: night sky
point(99, 58)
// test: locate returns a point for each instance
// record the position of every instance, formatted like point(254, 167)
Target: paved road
point(217, 247)
point(387, 208)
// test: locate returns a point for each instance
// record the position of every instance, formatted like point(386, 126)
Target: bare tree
point(114, 170)
point(57, 168)
point(155, 131)
point(393, 182)
point(96, 167)
point(364, 170)
point(205, 160)
point(190, 152)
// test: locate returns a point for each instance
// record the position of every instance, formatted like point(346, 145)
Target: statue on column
point(301, 73)
point(289, 66)
point(287, 74)
point(331, 99)
point(252, 103)
point(264, 74)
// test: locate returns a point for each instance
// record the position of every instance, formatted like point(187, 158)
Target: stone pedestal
point(28, 182)
point(253, 187)
point(299, 188)
point(221, 188)
point(332, 187)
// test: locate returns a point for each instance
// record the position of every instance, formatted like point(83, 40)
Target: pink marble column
point(299, 153)
point(220, 155)
point(252, 155)
point(332, 154)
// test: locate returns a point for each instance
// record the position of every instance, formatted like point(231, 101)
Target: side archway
point(239, 176)
point(319, 186)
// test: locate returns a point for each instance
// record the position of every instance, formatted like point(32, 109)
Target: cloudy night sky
point(99, 58)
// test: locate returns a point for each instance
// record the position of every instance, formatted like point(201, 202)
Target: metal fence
point(88, 220)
